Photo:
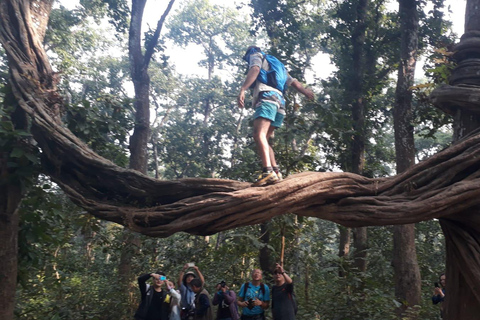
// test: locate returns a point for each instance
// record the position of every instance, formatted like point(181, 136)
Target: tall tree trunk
point(139, 63)
point(11, 188)
point(358, 121)
point(10, 198)
point(265, 257)
point(405, 264)
point(11, 194)
point(462, 231)
point(139, 138)
point(344, 245)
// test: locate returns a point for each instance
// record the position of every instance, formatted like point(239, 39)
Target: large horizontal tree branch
point(443, 185)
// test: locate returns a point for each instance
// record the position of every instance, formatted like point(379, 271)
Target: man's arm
point(230, 296)
point(279, 267)
point(200, 275)
point(180, 277)
point(241, 301)
point(142, 285)
point(249, 80)
point(300, 88)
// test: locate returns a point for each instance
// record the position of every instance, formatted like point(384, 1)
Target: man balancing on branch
point(269, 79)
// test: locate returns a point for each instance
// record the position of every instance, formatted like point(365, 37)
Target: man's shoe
point(266, 178)
point(279, 176)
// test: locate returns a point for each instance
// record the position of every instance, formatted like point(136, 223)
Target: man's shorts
point(270, 106)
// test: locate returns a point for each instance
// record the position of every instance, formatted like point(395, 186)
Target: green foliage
point(68, 260)
point(220, 31)
point(21, 160)
point(117, 12)
point(103, 125)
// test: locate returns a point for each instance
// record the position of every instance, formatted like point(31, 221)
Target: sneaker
point(266, 178)
point(279, 176)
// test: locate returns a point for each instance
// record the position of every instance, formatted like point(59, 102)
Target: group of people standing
point(162, 301)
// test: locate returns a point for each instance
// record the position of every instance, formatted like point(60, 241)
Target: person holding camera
point(155, 303)
point(175, 302)
point(283, 300)
point(203, 307)
point(226, 301)
point(187, 302)
point(439, 293)
point(254, 297)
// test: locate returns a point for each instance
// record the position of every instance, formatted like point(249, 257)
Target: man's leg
point(261, 128)
point(270, 134)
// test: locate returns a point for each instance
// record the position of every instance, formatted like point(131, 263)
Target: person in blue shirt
point(254, 297)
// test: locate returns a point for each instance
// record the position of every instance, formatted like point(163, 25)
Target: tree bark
point(405, 264)
point(10, 198)
point(12, 184)
point(139, 63)
point(265, 256)
point(344, 245)
point(356, 88)
point(462, 300)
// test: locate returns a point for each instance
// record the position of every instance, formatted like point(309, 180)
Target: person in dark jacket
point(439, 293)
point(203, 307)
point(226, 300)
point(155, 304)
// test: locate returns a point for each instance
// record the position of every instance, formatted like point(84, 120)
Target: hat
point(188, 273)
point(250, 50)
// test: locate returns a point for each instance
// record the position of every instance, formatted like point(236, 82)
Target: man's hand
point(309, 94)
point(279, 268)
point(241, 99)
point(257, 302)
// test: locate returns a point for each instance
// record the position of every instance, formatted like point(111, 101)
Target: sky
point(182, 57)
point(321, 67)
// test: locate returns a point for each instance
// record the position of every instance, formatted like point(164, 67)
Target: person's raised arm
point(300, 88)
point(229, 296)
point(287, 278)
point(180, 277)
point(142, 284)
point(200, 275)
point(249, 80)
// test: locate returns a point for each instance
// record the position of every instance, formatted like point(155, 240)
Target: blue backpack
point(276, 77)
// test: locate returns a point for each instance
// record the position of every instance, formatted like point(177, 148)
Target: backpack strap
point(245, 287)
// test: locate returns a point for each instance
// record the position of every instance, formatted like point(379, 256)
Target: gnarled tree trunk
point(462, 231)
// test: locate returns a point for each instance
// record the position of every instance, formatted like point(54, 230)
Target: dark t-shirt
point(158, 310)
point(282, 302)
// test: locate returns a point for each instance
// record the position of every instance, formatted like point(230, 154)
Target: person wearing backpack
point(254, 297)
point(155, 303)
point(284, 306)
point(269, 79)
